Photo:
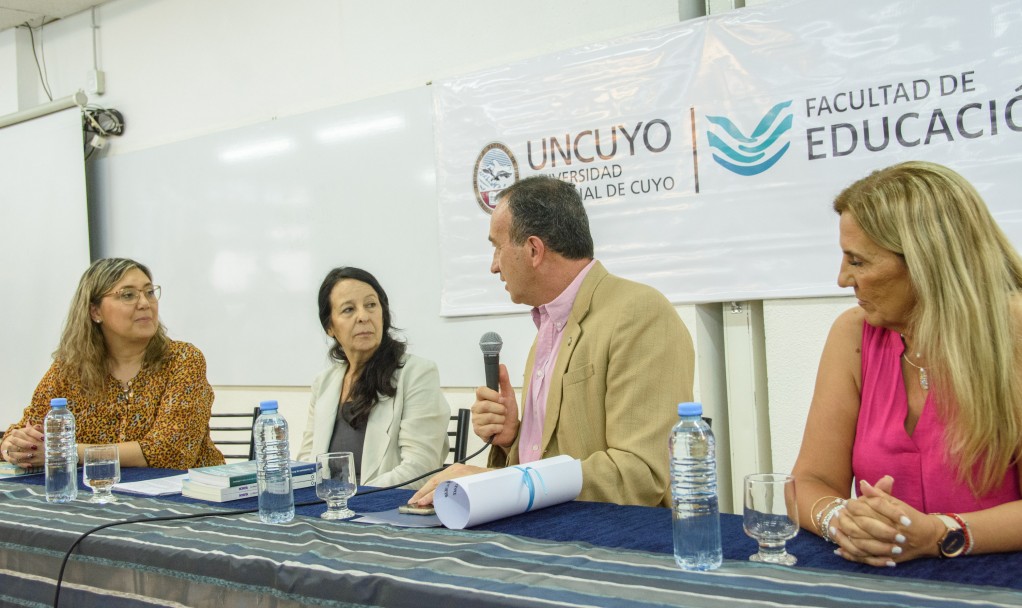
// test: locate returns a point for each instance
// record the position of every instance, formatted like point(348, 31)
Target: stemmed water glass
point(335, 483)
point(771, 516)
point(102, 470)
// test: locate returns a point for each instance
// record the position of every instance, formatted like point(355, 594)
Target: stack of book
point(226, 482)
point(12, 470)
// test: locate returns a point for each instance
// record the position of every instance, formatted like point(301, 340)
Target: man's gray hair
point(552, 210)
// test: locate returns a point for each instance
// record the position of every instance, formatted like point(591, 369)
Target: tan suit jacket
point(625, 362)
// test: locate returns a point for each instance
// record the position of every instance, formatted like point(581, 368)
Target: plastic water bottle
point(273, 466)
point(61, 453)
point(696, 517)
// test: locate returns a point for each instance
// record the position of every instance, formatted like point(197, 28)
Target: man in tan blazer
point(612, 368)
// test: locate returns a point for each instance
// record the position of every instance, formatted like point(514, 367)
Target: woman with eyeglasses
point(124, 379)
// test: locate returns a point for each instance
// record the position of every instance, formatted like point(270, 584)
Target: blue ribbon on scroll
point(527, 480)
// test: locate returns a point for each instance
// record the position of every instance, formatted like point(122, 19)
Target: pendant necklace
point(924, 380)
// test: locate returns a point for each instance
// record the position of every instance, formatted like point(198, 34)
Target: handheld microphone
point(490, 344)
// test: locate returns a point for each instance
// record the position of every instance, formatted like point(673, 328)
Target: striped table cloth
point(238, 561)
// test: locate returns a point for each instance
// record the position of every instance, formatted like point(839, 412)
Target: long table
point(574, 554)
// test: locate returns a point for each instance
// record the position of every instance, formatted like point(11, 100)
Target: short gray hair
point(551, 210)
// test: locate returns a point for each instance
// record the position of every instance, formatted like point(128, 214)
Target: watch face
point(953, 543)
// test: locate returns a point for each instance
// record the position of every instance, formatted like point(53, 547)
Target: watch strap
point(954, 541)
point(965, 528)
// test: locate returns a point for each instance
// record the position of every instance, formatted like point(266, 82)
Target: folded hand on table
point(24, 447)
point(880, 530)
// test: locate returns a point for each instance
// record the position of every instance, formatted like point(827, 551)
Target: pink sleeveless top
point(923, 477)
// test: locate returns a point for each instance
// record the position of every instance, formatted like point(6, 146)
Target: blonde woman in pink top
point(918, 399)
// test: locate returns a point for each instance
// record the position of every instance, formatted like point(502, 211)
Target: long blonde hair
point(82, 350)
point(965, 274)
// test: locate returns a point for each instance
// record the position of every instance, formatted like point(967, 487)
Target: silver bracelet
point(825, 525)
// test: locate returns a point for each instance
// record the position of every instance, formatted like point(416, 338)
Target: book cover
point(240, 473)
point(8, 469)
point(193, 489)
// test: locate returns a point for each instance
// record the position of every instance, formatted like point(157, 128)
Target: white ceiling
point(16, 12)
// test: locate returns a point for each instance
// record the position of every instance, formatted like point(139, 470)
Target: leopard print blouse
point(166, 410)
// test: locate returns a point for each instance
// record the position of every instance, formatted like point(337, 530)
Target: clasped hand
point(24, 447)
point(880, 530)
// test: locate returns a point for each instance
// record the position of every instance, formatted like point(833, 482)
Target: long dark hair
point(378, 374)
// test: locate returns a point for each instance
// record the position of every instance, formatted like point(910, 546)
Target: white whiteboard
point(44, 245)
point(240, 227)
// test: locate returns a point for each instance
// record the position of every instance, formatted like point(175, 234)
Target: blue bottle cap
point(268, 406)
point(58, 402)
point(690, 408)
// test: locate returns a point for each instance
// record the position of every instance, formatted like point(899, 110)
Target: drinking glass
point(771, 516)
point(335, 483)
point(102, 470)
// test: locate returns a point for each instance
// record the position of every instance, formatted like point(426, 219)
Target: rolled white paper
point(478, 499)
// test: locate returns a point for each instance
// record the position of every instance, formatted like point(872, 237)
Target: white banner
point(708, 153)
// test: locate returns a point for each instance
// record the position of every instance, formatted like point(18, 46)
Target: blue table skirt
point(645, 529)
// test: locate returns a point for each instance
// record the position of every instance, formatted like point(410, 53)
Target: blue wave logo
point(755, 153)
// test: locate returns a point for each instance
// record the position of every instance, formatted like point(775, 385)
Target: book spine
point(242, 480)
point(247, 478)
point(237, 493)
point(252, 490)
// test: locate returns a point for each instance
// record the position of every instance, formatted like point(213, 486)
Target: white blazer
point(406, 435)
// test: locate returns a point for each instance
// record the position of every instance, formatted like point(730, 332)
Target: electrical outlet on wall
point(96, 82)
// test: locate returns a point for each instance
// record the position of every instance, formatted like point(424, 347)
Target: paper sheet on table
point(478, 499)
point(401, 520)
point(164, 486)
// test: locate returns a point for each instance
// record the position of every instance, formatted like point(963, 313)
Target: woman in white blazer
point(375, 399)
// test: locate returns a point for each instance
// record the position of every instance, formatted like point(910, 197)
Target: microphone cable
point(430, 473)
point(83, 535)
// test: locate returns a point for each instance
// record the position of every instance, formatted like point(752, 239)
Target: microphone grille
point(490, 343)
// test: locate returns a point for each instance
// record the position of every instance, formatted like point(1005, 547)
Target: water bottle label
point(278, 486)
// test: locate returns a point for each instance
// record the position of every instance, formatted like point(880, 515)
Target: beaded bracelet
point(825, 525)
point(812, 509)
point(817, 516)
point(814, 515)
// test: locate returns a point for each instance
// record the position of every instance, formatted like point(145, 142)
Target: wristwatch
point(953, 543)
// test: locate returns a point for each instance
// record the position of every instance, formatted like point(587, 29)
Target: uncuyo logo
point(755, 153)
point(496, 168)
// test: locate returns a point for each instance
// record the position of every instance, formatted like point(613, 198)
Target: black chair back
point(459, 436)
point(234, 430)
